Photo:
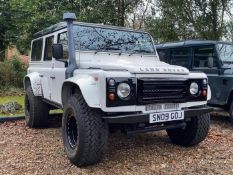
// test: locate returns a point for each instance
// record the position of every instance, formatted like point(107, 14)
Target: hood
point(143, 64)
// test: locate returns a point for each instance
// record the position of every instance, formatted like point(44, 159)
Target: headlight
point(194, 88)
point(123, 90)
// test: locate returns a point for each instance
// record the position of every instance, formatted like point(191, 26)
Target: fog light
point(111, 96)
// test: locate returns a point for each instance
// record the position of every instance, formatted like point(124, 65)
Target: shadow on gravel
point(55, 121)
point(220, 117)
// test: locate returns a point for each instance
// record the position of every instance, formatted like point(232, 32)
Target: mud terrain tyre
point(84, 132)
point(231, 112)
point(36, 110)
point(195, 131)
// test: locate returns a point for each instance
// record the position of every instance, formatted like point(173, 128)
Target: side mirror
point(210, 62)
point(57, 50)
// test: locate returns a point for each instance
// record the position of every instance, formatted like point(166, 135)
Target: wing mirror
point(57, 51)
point(210, 62)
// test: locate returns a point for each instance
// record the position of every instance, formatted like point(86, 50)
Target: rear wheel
point(36, 111)
point(231, 112)
point(84, 132)
point(195, 131)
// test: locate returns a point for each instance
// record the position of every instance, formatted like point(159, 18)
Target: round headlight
point(123, 90)
point(194, 88)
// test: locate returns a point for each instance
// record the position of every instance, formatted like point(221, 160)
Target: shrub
point(12, 73)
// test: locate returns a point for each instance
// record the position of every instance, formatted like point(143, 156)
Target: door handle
point(52, 77)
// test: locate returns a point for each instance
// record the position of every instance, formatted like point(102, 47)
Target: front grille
point(161, 90)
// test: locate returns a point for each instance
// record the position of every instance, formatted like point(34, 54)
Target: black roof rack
point(50, 29)
point(63, 25)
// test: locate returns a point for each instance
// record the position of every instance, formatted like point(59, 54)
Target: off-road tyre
point(86, 143)
point(36, 110)
point(231, 112)
point(195, 131)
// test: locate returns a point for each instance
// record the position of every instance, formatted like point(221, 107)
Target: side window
point(201, 56)
point(180, 57)
point(63, 39)
point(164, 55)
point(37, 46)
point(48, 48)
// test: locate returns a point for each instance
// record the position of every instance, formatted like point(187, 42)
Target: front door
point(201, 55)
point(59, 69)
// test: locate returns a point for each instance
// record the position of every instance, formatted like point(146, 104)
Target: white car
point(105, 76)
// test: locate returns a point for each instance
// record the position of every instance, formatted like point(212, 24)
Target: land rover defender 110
point(103, 76)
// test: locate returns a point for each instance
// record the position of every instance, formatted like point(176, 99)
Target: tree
point(202, 19)
point(6, 25)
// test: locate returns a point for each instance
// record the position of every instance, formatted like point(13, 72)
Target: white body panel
point(48, 77)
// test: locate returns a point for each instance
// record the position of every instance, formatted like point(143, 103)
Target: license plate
point(166, 116)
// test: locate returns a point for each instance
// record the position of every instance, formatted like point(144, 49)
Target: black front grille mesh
point(161, 90)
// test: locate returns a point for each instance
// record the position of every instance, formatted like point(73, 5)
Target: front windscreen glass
point(225, 52)
point(111, 40)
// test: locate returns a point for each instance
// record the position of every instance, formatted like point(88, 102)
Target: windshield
point(225, 52)
point(103, 39)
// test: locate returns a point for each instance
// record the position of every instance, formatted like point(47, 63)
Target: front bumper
point(144, 118)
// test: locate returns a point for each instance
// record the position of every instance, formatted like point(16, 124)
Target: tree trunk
point(2, 52)
point(121, 12)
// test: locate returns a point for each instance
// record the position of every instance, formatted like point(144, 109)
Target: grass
point(20, 100)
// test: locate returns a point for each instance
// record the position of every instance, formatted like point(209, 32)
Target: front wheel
point(84, 132)
point(195, 131)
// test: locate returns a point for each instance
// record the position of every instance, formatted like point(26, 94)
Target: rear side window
point(201, 56)
point(164, 55)
point(37, 46)
point(180, 57)
point(48, 48)
point(63, 39)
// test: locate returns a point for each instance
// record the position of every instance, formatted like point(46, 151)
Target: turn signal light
point(112, 96)
point(204, 93)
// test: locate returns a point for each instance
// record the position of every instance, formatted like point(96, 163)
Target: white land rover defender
point(104, 77)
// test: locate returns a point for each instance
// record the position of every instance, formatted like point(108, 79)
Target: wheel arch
point(33, 80)
point(85, 87)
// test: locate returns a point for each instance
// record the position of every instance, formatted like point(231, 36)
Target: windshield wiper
point(106, 48)
point(140, 51)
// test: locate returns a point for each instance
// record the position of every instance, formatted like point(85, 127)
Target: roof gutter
point(70, 18)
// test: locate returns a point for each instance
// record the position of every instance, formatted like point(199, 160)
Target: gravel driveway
point(29, 151)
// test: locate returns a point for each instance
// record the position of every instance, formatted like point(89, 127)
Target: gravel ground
point(29, 151)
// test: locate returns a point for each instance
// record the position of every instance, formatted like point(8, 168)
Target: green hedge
point(12, 73)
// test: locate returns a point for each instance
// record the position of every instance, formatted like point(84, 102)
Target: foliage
point(167, 20)
point(12, 73)
point(28, 17)
point(185, 19)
